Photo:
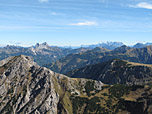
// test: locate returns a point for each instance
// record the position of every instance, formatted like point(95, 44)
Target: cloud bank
point(142, 5)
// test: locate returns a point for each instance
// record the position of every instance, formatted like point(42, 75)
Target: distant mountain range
point(107, 45)
point(141, 45)
point(44, 54)
point(113, 45)
point(75, 61)
point(41, 53)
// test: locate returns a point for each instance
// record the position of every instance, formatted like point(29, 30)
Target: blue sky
point(75, 22)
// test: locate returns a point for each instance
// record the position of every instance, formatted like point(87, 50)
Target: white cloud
point(55, 13)
point(87, 23)
point(43, 0)
point(142, 5)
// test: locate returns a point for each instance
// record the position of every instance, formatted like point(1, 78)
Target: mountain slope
point(75, 61)
point(26, 88)
point(140, 55)
point(116, 72)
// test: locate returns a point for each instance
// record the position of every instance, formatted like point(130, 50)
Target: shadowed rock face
point(116, 72)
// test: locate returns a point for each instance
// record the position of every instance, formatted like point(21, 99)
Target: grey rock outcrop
point(27, 88)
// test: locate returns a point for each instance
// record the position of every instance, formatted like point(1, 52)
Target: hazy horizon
point(22, 45)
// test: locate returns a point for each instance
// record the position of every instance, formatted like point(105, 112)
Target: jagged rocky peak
point(22, 60)
point(15, 67)
point(42, 46)
point(39, 48)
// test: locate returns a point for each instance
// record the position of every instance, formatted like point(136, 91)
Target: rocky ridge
point(28, 88)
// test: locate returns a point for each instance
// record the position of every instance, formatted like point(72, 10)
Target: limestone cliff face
point(26, 88)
